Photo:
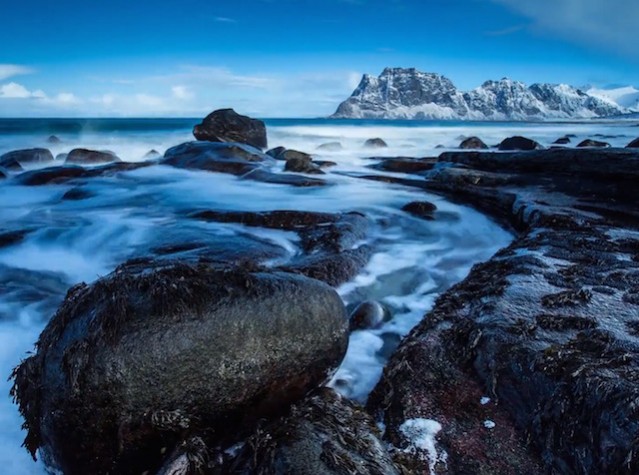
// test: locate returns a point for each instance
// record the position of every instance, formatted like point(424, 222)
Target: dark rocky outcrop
point(325, 434)
point(405, 164)
point(131, 364)
point(421, 209)
point(473, 143)
point(63, 174)
point(519, 143)
point(83, 156)
point(633, 144)
point(330, 147)
point(375, 143)
point(226, 125)
point(593, 143)
point(14, 161)
point(546, 329)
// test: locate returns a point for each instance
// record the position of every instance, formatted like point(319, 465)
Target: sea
point(128, 214)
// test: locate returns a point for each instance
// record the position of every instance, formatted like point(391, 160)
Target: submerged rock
point(53, 139)
point(226, 125)
point(473, 143)
point(152, 155)
point(83, 156)
point(565, 140)
point(325, 434)
point(405, 164)
point(331, 147)
point(519, 143)
point(375, 143)
point(421, 209)
point(131, 363)
point(13, 161)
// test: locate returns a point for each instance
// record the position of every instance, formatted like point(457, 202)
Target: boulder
point(134, 361)
point(152, 155)
point(275, 152)
point(226, 125)
point(593, 144)
point(324, 163)
point(633, 144)
point(302, 165)
point(519, 143)
point(375, 143)
point(473, 143)
point(266, 176)
point(421, 209)
point(53, 139)
point(15, 160)
point(405, 164)
point(330, 147)
point(325, 434)
point(289, 154)
point(565, 140)
point(83, 156)
point(369, 314)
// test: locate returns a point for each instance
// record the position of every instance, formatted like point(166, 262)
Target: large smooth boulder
point(226, 125)
point(15, 159)
point(519, 143)
point(132, 363)
point(83, 156)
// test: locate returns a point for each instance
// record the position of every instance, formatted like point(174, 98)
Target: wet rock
point(405, 164)
point(633, 144)
point(2, 175)
point(565, 140)
point(593, 143)
point(152, 155)
point(50, 176)
point(226, 125)
point(275, 152)
point(324, 163)
point(324, 434)
point(14, 161)
point(375, 143)
point(519, 143)
point(334, 269)
point(330, 147)
point(369, 314)
point(53, 139)
point(266, 176)
point(236, 159)
point(473, 143)
point(61, 157)
point(289, 154)
point(83, 156)
point(9, 238)
point(77, 193)
point(302, 164)
point(421, 209)
point(97, 383)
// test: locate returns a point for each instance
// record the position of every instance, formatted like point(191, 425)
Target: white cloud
point(150, 101)
point(223, 19)
point(607, 24)
point(14, 90)
point(10, 70)
point(182, 92)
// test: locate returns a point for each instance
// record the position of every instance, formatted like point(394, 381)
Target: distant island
point(406, 93)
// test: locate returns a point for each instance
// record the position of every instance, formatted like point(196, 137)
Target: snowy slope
point(627, 97)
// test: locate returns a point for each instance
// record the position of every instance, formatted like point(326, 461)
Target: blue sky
point(292, 58)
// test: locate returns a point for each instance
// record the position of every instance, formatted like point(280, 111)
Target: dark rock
point(82, 156)
point(226, 125)
point(50, 176)
point(324, 163)
point(288, 154)
point(275, 152)
point(302, 164)
point(562, 141)
point(2, 175)
point(633, 144)
point(236, 159)
point(405, 164)
point(54, 139)
point(369, 314)
point(438, 146)
point(283, 178)
point(97, 383)
point(519, 143)
point(375, 143)
point(9, 238)
point(421, 209)
point(325, 434)
point(473, 143)
point(77, 193)
point(61, 157)
point(332, 268)
point(593, 143)
point(331, 147)
point(13, 161)
point(152, 155)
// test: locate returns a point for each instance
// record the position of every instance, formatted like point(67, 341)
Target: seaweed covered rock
point(324, 435)
point(132, 363)
point(83, 156)
point(226, 125)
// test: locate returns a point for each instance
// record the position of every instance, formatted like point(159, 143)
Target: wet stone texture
point(548, 329)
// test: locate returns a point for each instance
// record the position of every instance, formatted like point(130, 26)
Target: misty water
point(134, 212)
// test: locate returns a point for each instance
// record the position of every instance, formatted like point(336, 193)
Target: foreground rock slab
point(539, 344)
point(132, 363)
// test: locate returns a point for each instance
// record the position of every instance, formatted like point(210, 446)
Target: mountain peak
point(406, 93)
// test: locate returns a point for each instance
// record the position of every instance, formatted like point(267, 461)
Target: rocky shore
point(199, 359)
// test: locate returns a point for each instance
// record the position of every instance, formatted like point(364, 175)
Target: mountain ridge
point(406, 93)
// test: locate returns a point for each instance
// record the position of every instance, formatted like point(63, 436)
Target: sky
point(291, 58)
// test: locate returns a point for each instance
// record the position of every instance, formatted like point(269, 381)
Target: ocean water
point(131, 213)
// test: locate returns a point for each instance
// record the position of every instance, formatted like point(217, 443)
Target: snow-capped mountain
point(400, 93)
point(627, 97)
